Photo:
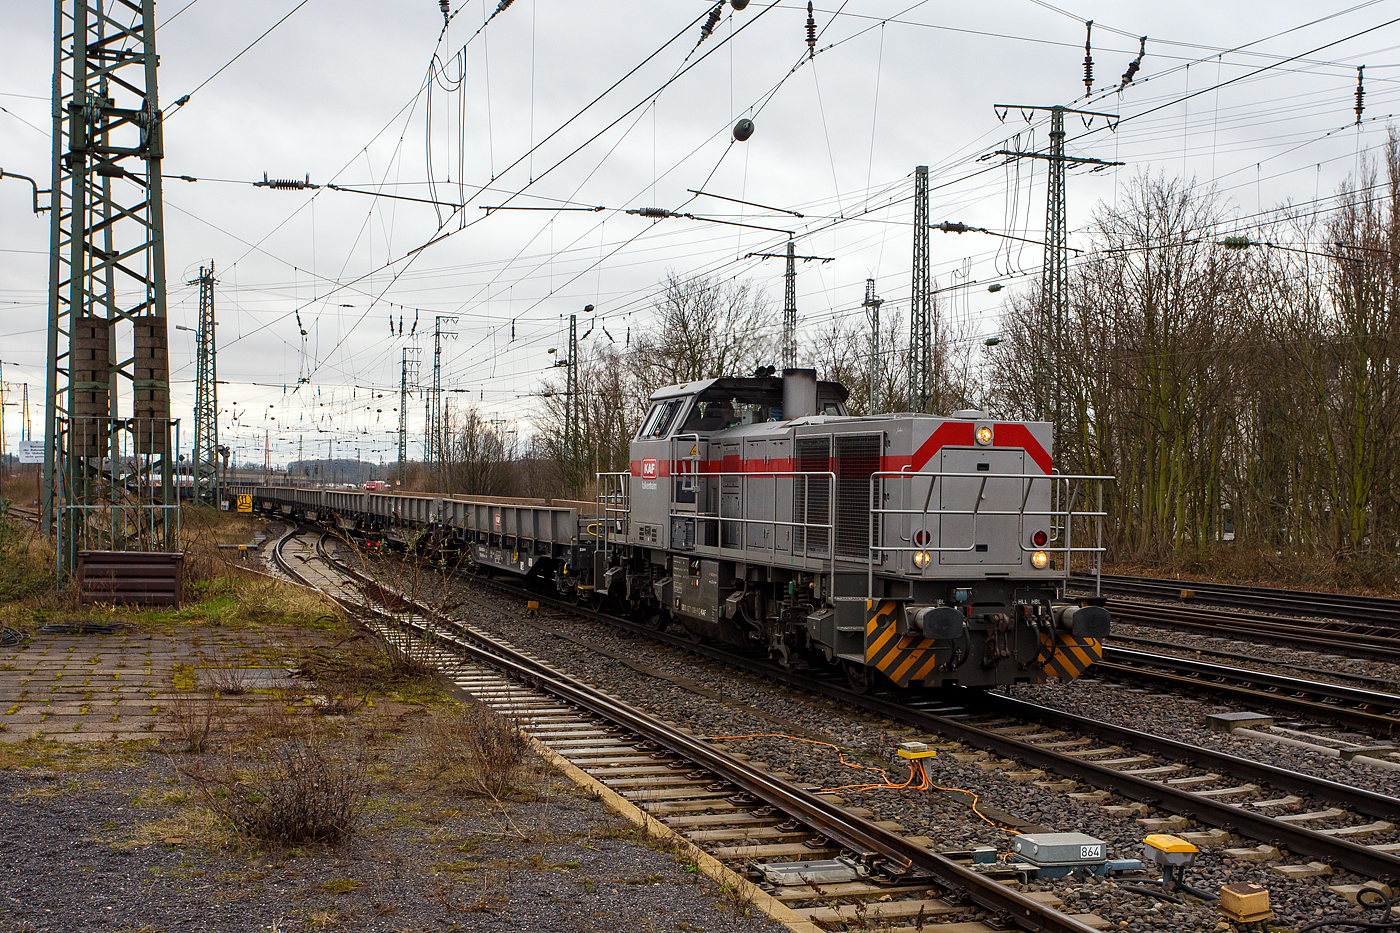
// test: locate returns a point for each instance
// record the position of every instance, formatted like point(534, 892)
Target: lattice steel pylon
point(790, 309)
point(872, 316)
point(920, 312)
point(571, 401)
point(434, 456)
point(107, 482)
point(789, 338)
point(206, 403)
point(408, 380)
point(1054, 277)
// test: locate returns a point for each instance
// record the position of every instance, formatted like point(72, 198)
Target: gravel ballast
point(944, 816)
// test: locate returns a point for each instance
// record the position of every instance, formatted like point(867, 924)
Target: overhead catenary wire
point(1008, 227)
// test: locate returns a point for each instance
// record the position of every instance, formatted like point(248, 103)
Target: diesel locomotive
point(907, 549)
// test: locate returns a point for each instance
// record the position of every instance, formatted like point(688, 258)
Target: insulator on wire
point(712, 22)
point(1360, 93)
point(446, 7)
point(1135, 64)
point(656, 213)
point(502, 5)
point(284, 184)
point(1237, 242)
point(1088, 59)
point(811, 32)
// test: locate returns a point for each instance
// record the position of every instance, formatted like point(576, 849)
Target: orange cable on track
point(916, 770)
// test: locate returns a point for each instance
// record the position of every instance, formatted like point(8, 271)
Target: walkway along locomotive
point(905, 548)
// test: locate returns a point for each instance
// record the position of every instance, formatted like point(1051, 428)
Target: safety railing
point(810, 539)
point(615, 508)
point(920, 531)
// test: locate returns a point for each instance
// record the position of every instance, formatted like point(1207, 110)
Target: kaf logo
point(649, 468)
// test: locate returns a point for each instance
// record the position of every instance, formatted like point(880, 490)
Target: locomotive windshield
point(716, 411)
point(659, 420)
point(729, 402)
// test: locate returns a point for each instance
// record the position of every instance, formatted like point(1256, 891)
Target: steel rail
point(1380, 806)
point(1351, 856)
point(1133, 641)
point(900, 857)
point(1364, 609)
point(1256, 627)
point(1348, 855)
point(1278, 691)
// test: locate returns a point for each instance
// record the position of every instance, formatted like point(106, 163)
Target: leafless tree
point(704, 328)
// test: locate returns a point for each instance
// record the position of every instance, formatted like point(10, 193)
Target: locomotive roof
point(740, 385)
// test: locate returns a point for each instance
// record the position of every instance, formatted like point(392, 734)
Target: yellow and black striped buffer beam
point(1072, 656)
point(901, 658)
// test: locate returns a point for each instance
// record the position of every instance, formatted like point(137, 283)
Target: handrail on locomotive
point(1064, 488)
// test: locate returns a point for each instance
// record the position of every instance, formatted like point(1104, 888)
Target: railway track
point(1367, 710)
point(1198, 783)
point(1365, 610)
point(1371, 642)
point(1384, 684)
point(26, 515)
point(737, 810)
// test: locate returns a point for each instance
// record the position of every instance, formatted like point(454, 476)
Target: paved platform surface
point(93, 688)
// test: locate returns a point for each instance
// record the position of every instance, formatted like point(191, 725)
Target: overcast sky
point(336, 93)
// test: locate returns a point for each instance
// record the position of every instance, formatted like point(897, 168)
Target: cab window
point(650, 420)
point(659, 423)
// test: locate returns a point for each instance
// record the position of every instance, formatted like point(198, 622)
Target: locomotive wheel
point(656, 620)
point(858, 676)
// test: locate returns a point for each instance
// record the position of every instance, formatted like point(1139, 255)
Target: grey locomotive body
point(922, 549)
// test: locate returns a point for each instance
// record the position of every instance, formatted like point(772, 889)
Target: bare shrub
point(226, 681)
point(194, 716)
point(480, 752)
point(297, 794)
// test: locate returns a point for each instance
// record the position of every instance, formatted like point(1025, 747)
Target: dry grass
point(359, 664)
point(477, 752)
point(186, 825)
point(26, 559)
point(37, 753)
point(203, 529)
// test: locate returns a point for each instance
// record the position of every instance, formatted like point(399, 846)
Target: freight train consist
point(907, 549)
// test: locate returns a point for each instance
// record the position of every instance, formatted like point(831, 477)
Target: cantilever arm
point(37, 192)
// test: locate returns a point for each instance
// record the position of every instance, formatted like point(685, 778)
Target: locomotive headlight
point(1039, 559)
point(922, 558)
point(984, 435)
